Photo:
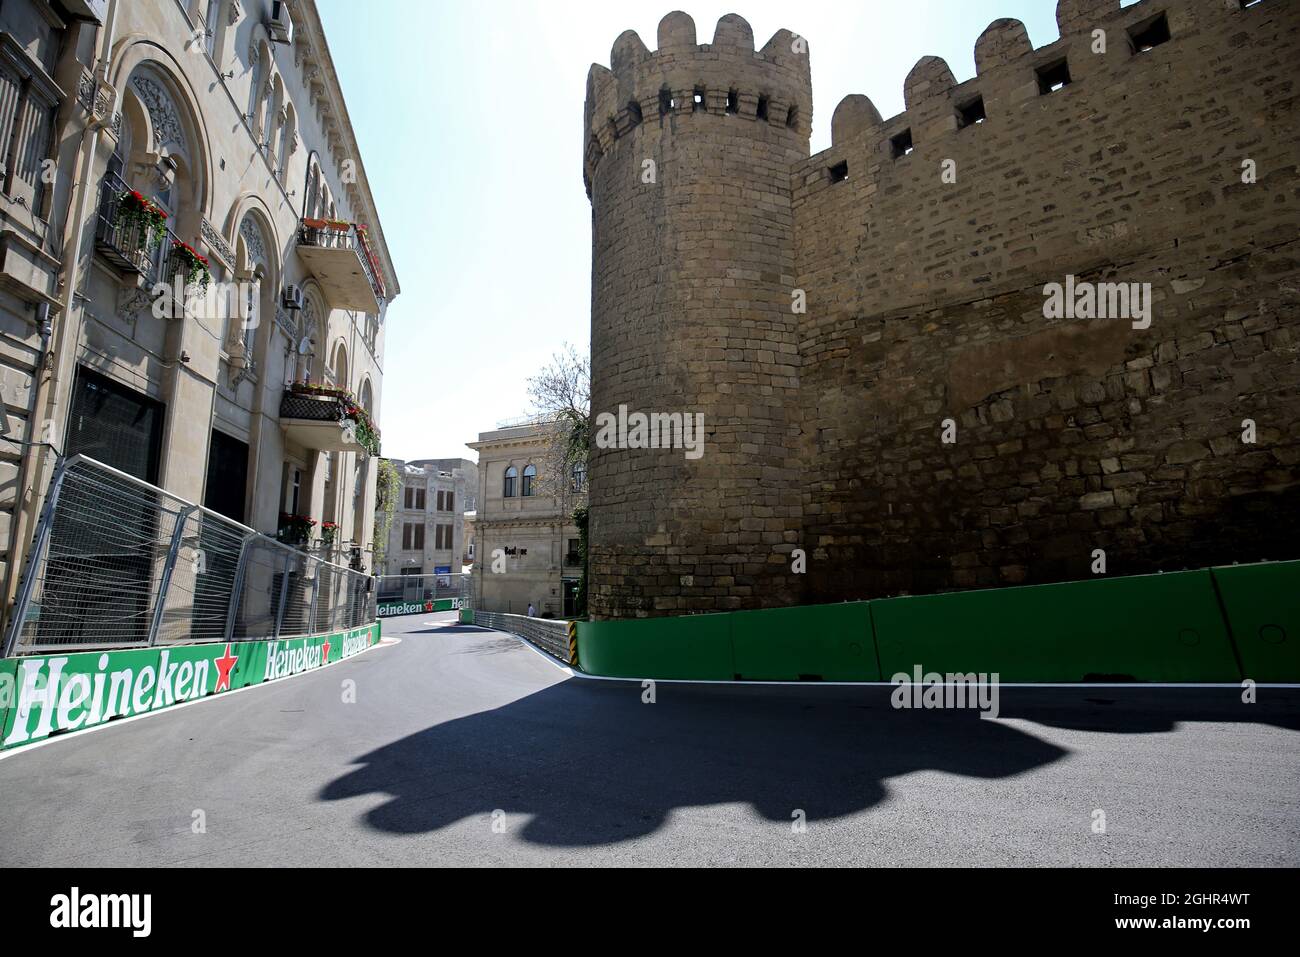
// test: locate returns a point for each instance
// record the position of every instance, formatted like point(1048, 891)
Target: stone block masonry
point(1156, 144)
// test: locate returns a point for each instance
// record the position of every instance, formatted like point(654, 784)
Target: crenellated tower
point(687, 164)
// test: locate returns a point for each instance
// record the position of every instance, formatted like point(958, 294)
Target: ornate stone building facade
point(865, 330)
point(428, 533)
point(206, 334)
point(525, 543)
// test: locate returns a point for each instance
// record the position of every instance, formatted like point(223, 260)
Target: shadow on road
point(591, 764)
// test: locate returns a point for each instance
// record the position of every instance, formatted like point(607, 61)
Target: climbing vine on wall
point(389, 487)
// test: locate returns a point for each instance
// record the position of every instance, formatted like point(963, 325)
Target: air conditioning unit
point(292, 298)
point(280, 26)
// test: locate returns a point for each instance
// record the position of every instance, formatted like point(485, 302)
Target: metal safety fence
point(551, 635)
point(421, 588)
point(398, 595)
point(120, 563)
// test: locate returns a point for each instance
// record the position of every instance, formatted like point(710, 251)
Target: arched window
point(312, 196)
point(159, 151)
point(253, 270)
point(258, 63)
point(211, 19)
point(530, 476)
point(288, 142)
point(273, 118)
point(337, 373)
point(508, 486)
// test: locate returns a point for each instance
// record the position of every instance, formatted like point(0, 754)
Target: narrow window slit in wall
point(665, 101)
point(699, 99)
point(1150, 34)
point(1053, 77)
point(733, 101)
point(762, 108)
point(901, 145)
point(839, 172)
point(971, 113)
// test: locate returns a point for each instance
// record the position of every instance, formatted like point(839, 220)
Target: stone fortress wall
point(923, 244)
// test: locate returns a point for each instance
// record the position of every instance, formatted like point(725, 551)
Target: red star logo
point(428, 606)
point(225, 665)
point(325, 649)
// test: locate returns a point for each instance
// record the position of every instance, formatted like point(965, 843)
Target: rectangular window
point(227, 475)
point(28, 101)
point(901, 145)
point(419, 537)
point(1149, 34)
point(408, 499)
point(408, 536)
point(451, 507)
point(971, 113)
point(11, 91)
point(1053, 77)
point(419, 499)
point(441, 501)
point(116, 425)
point(839, 172)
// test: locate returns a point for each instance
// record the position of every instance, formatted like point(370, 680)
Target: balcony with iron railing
point(338, 254)
point(327, 421)
point(126, 241)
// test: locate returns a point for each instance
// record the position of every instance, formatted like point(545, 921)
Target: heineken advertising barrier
point(390, 609)
point(48, 694)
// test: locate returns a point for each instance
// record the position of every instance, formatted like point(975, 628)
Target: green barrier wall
point(1170, 628)
point(8, 690)
point(817, 643)
point(67, 692)
point(1262, 604)
point(813, 643)
point(1150, 628)
point(695, 647)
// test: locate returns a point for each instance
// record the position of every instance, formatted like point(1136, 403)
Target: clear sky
point(469, 117)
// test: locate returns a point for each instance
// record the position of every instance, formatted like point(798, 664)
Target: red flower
point(190, 251)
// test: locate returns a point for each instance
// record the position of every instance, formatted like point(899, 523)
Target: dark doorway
point(101, 557)
point(227, 476)
point(570, 586)
point(116, 426)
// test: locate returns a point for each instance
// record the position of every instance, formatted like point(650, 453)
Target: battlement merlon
point(728, 76)
point(1004, 58)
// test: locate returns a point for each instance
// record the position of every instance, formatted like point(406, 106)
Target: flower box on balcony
point(328, 420)
point(143, 223)
point(186, 261)
point(295, 530)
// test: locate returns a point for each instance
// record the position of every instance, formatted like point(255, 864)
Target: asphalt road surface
point(466, 747)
